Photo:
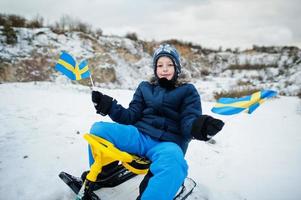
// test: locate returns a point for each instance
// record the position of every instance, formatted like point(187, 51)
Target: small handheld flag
point(69, 67)
point(231, 106)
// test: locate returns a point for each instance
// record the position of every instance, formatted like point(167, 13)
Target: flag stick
point(91, 82)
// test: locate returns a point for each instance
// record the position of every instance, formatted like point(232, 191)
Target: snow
point(256, 156)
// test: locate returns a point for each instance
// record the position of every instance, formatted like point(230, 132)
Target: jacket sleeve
point(131, 114)
point(190, 109)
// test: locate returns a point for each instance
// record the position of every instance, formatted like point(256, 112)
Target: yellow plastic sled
point(104, 153)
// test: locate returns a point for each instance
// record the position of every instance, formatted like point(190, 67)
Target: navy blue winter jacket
point(163, 114)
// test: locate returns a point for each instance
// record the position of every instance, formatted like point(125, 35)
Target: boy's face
point(165, 68)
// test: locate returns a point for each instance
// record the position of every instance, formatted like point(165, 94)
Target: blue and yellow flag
point(69, 67)
point(231, 106)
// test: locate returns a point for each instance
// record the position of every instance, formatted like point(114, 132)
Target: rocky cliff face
point(117, 62)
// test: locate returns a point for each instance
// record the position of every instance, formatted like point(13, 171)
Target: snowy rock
point(118, 62)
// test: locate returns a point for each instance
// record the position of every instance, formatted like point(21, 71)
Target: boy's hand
point(205, 127)
point(102, 102)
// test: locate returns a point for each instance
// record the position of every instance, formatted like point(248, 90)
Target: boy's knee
point(98, 129)
point(95, 128)
point(104, 130)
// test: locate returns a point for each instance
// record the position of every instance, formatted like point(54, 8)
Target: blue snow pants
point(169, 168)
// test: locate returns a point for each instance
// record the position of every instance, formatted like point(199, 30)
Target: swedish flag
point(231, 106)
point(69, 67)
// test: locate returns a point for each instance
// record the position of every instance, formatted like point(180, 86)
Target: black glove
point(102, 102)
point(205, 127)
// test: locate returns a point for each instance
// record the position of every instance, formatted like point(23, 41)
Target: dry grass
point(236, 93)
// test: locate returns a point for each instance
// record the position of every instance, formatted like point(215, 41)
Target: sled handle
point(107, 148)
point(106, 153)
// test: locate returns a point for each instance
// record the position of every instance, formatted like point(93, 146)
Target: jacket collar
point(181, 80)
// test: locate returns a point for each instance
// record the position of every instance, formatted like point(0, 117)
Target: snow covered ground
point(255, 157)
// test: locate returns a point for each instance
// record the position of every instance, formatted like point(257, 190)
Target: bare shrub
point(3, 19)
point(10, 34)
point(16, 21)
point(205, 72)
point(132, 36)
point(98, 33)
point(36, 22)
point(176, 42)
point(68, 24)
point(56, 28)
point(299, 94)
point(81, 27)
point(148, 47)
point(244, 83)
